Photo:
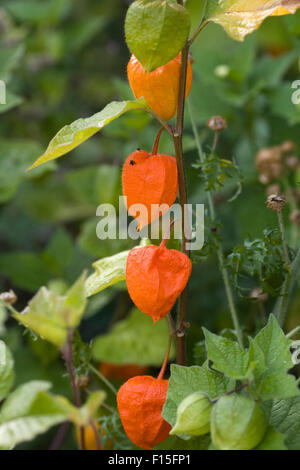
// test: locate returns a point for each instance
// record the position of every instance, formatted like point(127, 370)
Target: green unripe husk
point(156, 31)
point(237, 423)
point(193, 415)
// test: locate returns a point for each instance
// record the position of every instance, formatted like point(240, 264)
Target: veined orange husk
point(155, 277)
point(160, 88)
point(151, 180)
point(140, 402)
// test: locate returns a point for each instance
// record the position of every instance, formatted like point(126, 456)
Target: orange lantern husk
point(150, 180)
point(155, 277)
point(140, 402)
point(160, 88)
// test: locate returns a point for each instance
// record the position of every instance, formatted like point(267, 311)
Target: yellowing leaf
point(50, 315)
point(241, 17)
point(71, 136)
point(281, 11)
point(108, 271)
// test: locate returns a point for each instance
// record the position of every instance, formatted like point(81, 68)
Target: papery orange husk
point(140, 402)
point(149, 179)
point(160, 88)
point(155, 277)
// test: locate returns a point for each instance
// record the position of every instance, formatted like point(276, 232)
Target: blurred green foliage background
point(64, 59)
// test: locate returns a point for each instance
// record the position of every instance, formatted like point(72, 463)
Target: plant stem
point(202, 25)
point(166, 359)
point(103, 379)
point(293, 207)
point(198, 30)
point(164, 124)
point(167, 234)
point(171, 325)
point(285, 248)
point(294, 332)
point(177, 137)
point(156, 143)
point(67, 353)
point(96, 434)
point(285, 294)
point(60, 436)
point(220, 253)
point(237, 389)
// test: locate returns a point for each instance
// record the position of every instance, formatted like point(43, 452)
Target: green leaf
point(25, 429)
point(27, 412)
point(257, 356)
point(227, 356)
point(73, 135)
point(96, 184)
point(7, 374)
point(26, 270)
point(43, 317)
point(50, 315)
point(20, 400)
point(241, 17)
point(281, 104)
point(273, 440)
point(15, 156)
point(79, 416)
point(278, 384)
point(11, 101)
point(89, 242)
point(75, 302)
point(108, 271)
point(38, 12)
point(270, 350)
point(268, 71)
point(134, 341)
point(59, 252)
point(186, 380)
point(196, 10)
point(156, 31)
point(10, 58)
point(275, 347)
point(90, 408)
point(285, 417)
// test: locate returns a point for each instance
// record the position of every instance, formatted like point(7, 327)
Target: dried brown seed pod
point(288, 146)
point(217, 123)
point(276, 202)
point(295, 217)
point(9, 298)
point(268, 162)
